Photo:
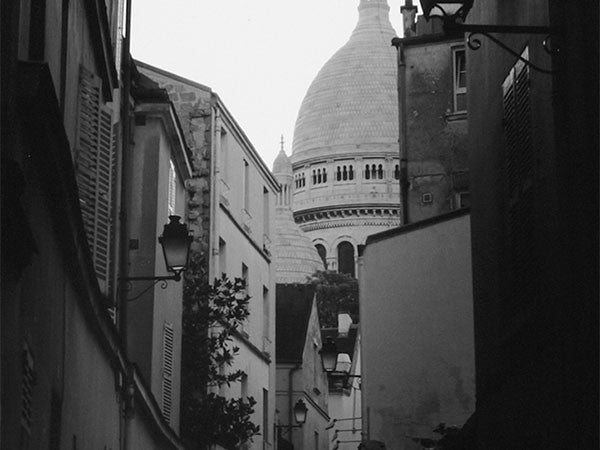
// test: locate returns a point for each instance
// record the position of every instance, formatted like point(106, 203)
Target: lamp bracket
point(162, 279)
point(452, 27)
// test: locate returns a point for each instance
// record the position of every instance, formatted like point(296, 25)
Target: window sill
point(459, 115)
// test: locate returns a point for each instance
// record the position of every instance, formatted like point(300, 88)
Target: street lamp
point(175, 242)
point(300, 411)
point(329, 357)
point(453, 13)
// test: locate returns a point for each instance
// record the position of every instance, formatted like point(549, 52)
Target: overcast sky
point(260, 56)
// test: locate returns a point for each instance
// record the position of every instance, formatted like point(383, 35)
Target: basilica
point(345, 170)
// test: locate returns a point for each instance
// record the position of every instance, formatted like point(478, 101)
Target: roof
point(293, 308)
point(417, 225)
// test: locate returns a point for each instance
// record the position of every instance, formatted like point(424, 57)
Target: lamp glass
point(300, 411)
point(175, 242)
point(444, 8)
point(329, 355)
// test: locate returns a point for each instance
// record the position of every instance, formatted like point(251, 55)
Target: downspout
point(215, 150)
point(402, 142)
point(123, 241)
point(291, 399)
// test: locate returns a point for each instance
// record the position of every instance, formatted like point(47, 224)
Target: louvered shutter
point(520, 167)
point(167, 381)
point(172, 194)
point(95, 167)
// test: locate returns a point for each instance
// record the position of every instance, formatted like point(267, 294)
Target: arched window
point(344, 174)
point(322, 253)
point(319, 177)
point(380, 172)
point(324, 176)
point(396, 172)
point(367, 173)
point(314, 177)
point(339, 173)
point(346, 258)
point(350, 173)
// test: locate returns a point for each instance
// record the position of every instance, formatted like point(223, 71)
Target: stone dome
point(353, 100)
point(294, 257)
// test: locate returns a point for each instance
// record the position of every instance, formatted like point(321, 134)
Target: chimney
point(344, 322)
point(409, 12)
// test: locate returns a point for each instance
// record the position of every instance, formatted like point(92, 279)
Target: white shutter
point(95, 167)
point(172, 194)
point(167, 382)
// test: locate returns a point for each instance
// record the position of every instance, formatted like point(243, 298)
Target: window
point(222, 257)
point(172, 195)
point(459, 79)
point(344, 173)
point(246, 186)
point(265, 417)
point(396, 172)
point(346, 258)
point(95, 173)
point(224, 163)
point(167, 381)
point(245, 275)
point(322, 253)
point(266, 212)
point(266, 313)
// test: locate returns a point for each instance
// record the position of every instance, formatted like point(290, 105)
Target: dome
point(294, 256)
point(353, 100)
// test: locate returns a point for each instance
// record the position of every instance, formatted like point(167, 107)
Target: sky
point(259, 56)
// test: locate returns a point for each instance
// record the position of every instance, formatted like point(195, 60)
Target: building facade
point(418, 367)
point(67, 380)
point(300, 373)
point(345, 156)
point(533, 143)
point(230, 210)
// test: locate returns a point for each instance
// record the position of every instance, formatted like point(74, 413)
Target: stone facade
point(230, 207)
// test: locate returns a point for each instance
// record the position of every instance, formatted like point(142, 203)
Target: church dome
point(353, 100)
point(294, 257)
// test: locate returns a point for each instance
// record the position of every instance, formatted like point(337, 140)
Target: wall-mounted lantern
point(175, 242)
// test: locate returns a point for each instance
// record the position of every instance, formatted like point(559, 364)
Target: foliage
point(218, 309)
point(336, 292)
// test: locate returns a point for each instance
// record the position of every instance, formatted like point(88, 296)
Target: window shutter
point(167, 383)
point(27, 381)
point(172, 195)
point(95, 167)
point(520, 166)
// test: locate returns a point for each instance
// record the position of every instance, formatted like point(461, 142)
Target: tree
point(211, 315)
point(336, 292)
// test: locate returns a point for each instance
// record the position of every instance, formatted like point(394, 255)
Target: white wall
point(417, 330)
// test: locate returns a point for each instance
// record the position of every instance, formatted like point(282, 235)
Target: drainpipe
point(215, 149)
point(291, 399)
point(402, 143)
point(123, 241)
